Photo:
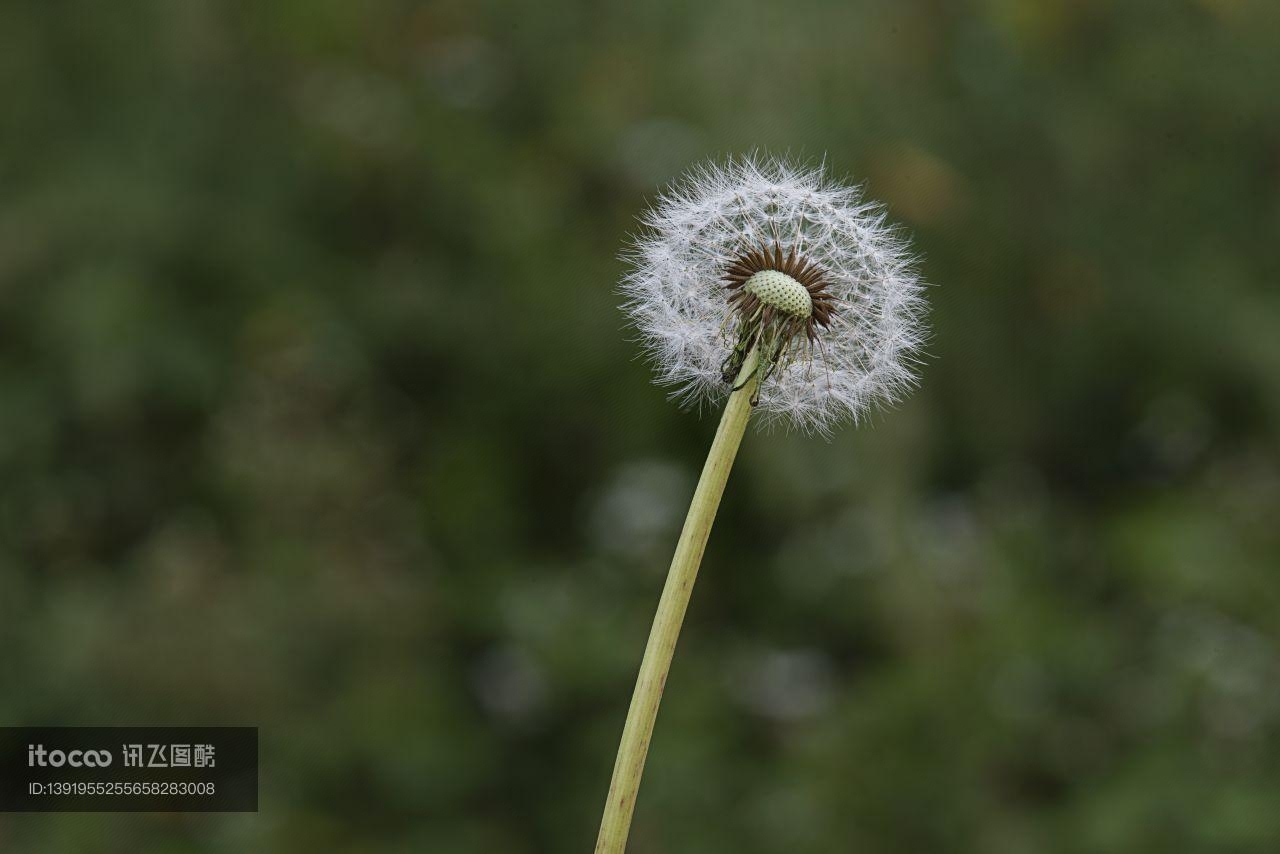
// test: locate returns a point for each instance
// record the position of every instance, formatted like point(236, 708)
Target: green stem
point(616, 823)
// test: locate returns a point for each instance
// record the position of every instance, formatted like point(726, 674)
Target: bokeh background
point(317, 413)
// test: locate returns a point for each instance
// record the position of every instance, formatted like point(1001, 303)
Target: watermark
point(128, 769)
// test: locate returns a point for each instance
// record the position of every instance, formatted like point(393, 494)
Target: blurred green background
point(317, 413)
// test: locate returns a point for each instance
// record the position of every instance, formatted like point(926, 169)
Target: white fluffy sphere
point(677, 300)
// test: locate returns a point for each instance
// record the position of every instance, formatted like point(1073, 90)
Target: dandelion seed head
point(762, 251)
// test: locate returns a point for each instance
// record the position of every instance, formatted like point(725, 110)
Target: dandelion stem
point(616, 823)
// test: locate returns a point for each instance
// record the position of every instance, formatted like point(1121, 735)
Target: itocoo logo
point(38, 756)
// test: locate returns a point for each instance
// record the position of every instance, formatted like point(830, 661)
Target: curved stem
point(616, 823)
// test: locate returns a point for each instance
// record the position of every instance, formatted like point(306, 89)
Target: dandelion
point(772, 287)
point(765, 252)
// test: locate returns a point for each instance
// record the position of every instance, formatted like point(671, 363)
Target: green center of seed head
point(781, 292)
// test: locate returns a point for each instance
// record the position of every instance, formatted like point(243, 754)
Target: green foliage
point(316, 414)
